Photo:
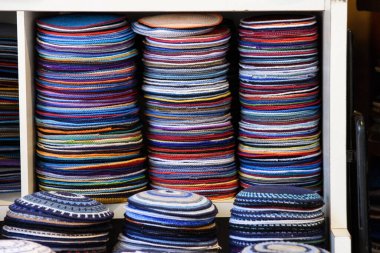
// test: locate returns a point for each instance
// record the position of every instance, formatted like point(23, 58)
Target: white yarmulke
point(21, 246)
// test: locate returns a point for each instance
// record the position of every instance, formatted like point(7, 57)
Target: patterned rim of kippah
point(170, 200)
point(73, 206)
point(272, 19)
point(279, 192)
point(167, 32)
point(282, 247)
point(219, 33)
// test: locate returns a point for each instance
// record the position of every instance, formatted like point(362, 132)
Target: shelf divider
point(25, 38)
point(334, 112)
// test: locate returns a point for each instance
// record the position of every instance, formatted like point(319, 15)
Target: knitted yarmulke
point(276, 213)
point(81, 23)
point(21, 246)
point(170, 200)
point(65, 222)
point(66, 205)
point(182, 21)
point(169, 221)
point(282, 196)
point(282, 247)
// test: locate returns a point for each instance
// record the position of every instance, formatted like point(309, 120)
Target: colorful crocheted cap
point(79, 22)
point(282, 247)
point(169, 221)
point(182, 20)
point(278, 195)
point(173, 202)
point(276, 213)
point(176, 25)
point(62, 206)
point(21, 246)
point(62, 221)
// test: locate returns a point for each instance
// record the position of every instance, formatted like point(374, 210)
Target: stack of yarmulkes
point(89, 137)
point(9, 117)
point(62, 221)
point(168, 221)
point(21, 246)
point(263, 213)
point(190, 135)
point(282, 247)
point(280, 99)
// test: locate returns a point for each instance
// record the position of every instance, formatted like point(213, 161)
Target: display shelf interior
point(163, 5)
point(27, 59)
point(333, 31)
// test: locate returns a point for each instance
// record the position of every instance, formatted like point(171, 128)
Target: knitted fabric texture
point(279, 130)
point(169, 221)
point(190, 135)
point(88, 128)
point(270, 213)
point(65, 222)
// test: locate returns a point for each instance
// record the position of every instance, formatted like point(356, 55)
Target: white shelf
point(163, 5)
point(333, 16)
point(340, 240)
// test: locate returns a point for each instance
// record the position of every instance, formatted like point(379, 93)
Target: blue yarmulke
point(169, 221)
point(170, 200)
point(282, 247)
point(275, 195)
point(276, 213)
point(65, 205)
point(21, 246)
point(79, 22)
point(62, 221)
